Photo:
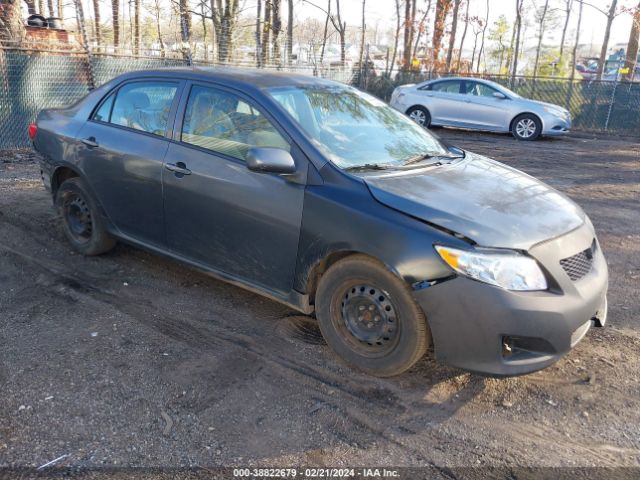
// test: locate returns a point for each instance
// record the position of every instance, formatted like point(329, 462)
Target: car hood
point(545, 104)
point(484, 200)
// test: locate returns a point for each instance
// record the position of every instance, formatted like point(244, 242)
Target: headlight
point(557, 112)
point(509, 269)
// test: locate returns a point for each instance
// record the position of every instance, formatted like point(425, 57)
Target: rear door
point(444, 101)
point(483, 109)
point(121, 149)
point(219, 213)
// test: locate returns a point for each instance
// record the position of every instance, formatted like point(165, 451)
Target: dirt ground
point(130, 359)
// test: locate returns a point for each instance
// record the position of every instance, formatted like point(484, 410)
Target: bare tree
point(442, 10)
point(224, 14)
point(11, 27)
point(341, 28)
point(326, 27)
point(96, 19)
point(395, 41)
point(289, 32)
point(52, 12)
point(115, 18)
point(516, 52)
point(464, 34)
point(409, 26)
point(611, 14)
point(185, 28)
point(276, 27)
point(574, 54)
point(258, 34)
point(136, 27)
point(364, 25)
point(452, 35)
point(631, 59)
point(541, 16)
point(266, 32)
point(155, 8)
point(484, 30)
point(422, 28)
point(568, 4)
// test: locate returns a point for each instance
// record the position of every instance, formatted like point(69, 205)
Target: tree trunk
point(605, 43)
point(540, 34)
point(362, 35)
point(136, 27)
point(518, 27)
point(11, 26)
point(452, 36)
point(276, 28)
point(341, 31)
point(569, 4)
point(204, 31)
point(258, 32)
point(97, 20)
point(160, 41)
point(41, 7)
point(484, 29)
point(324, 35)
point(573, 59)
point(185, 29)
point(442, 10)
point(52, 12)
point(290, 32)
point(395, 43)
point(464, 34)
point(421, 27)
point(115, 14)
point(632, 47)
point(31, 6)
point(266, 30)
point(408, 28)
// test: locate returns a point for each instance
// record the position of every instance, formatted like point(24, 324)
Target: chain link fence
point(56, 68)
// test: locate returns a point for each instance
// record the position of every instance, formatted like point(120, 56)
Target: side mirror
point(500, 96)
point(270, 160)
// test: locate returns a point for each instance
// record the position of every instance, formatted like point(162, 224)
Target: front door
point(219, 213)
point(121, 149)
point(483, 109)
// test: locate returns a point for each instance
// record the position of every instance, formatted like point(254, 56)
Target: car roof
point(235, 76)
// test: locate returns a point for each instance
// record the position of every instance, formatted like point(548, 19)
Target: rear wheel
point(420, 115)
point(81, 221)
point(369, 317)
point(526, 127)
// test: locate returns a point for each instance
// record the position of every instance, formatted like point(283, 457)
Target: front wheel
point(369, 317)
point(420, 115)
point(81, 221)
point(526, 127)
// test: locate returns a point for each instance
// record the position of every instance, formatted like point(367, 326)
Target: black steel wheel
point(369, 317)
point(81, 221)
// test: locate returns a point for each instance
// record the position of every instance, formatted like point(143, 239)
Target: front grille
point(578, 265)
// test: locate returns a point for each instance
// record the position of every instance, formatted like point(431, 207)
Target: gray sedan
point(479, 104)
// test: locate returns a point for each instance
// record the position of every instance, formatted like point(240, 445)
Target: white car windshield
point(354, 129)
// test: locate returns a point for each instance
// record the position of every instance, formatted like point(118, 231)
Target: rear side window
point(142, 106)
point(223, 123)
point(480, 89)
point(450, 86)
point(104, 112)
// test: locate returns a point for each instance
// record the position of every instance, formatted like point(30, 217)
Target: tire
point(526, 127)
point(420, 115)
point(390, 336)
point(82, 223)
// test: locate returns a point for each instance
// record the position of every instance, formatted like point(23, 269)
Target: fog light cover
point(503, 268)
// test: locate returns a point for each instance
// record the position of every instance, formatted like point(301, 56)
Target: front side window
point(144, 106)
point(223, 123)
point(480, 89)
point(354, 129)
point(450, 86)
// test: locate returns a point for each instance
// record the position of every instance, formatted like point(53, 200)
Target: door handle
point(90, 142)
point(179, 169)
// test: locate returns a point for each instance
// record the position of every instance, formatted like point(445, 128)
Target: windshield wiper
point(429, 156)
point(365, 167)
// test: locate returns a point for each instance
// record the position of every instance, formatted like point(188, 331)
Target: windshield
point(354, 129)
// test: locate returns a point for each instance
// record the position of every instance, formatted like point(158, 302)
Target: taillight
point(33, 129)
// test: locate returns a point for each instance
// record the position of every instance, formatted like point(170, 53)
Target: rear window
point(142, 106)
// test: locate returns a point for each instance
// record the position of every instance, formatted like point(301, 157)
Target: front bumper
point(555, 126)
point(471, 321)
